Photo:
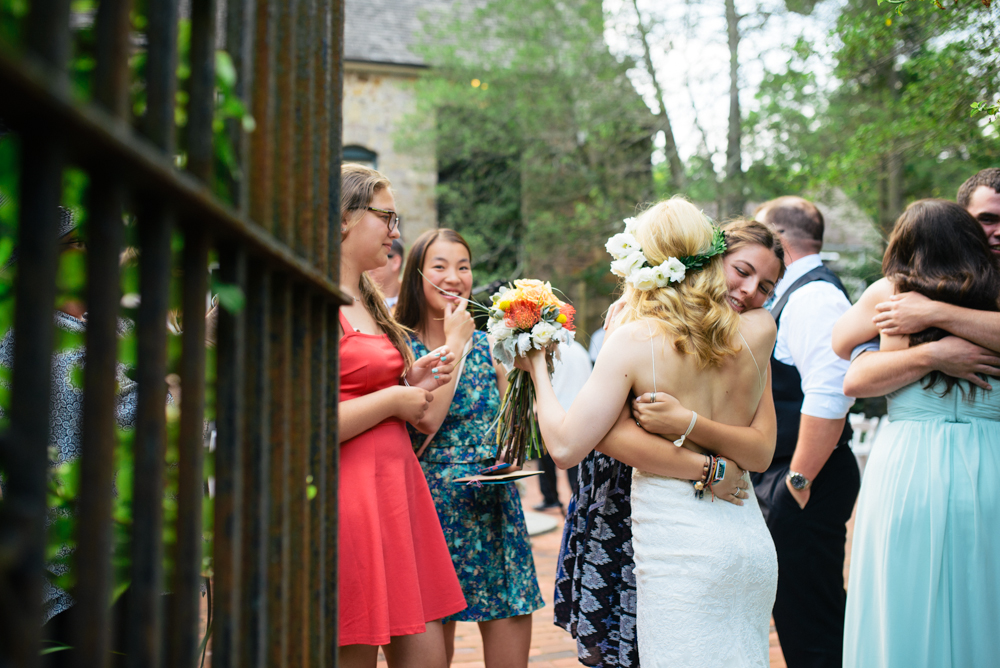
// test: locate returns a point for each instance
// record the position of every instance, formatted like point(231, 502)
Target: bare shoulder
point(879, 291)
point(758, 327)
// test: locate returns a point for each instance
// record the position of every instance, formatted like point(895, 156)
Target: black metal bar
point(331, 526)
point(262, 140)
point(317, 467)
point(239, 45)
point(298, 601)
point(257, 458)
point(336, 101)
point(321, 134)
point(304, 116)
point(105, 236)
point(231, 405)
point(284, 146)
point(25, 460)
point(93, 140)
point(201, 101)
point(182, 621)
point(144, 637)
point(278, 543)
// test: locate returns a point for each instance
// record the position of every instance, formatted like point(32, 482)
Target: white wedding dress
point(706, 575)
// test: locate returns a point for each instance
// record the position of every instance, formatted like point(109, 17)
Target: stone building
point(380, 69)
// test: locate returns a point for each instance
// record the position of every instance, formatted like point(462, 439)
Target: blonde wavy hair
point(693, 313)
point(358, 185)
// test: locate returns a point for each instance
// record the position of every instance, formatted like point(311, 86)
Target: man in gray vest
point(808, 493)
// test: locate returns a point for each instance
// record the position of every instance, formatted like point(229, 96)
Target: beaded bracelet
point(700, 485)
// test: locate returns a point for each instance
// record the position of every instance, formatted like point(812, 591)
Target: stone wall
point(378, 99)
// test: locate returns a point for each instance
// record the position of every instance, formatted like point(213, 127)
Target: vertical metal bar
point(24, 457)
point(201, 101)
point(277, 537)
point(239, 44)
point(331, 525)
point(317, 468)
point(25, 460)
point(336, 100)
point(304, 112)
point(256, 490)
point(298, 620)
point(285, 147)
point(262, 140)
point(144, 636)
point(182, 637)
point(321, 134)
point(105, 236)
point(230, 408)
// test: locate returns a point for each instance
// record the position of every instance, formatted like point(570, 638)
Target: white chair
point(865, 431)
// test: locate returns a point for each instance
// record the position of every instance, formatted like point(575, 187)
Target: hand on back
point(904, 313)
point(661, 414)
point(957, 357)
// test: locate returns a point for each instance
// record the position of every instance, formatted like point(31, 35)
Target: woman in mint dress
point(924, 584)
point(483, 525)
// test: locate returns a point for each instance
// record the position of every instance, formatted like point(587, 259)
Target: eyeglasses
point(393, 221)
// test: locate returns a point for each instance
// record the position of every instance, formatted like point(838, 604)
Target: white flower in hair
point(630, 225)
point(674, 269)
point(625, 266)
point(662, 275)
point(644, 278)
point(621, 245)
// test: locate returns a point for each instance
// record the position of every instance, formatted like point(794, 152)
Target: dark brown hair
point(989, 177)
point(939, 250)
point(358, 185)
point(412, 307)
point(796, 219)
point(742, 232)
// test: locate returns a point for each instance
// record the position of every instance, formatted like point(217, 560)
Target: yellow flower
point(503, 305)
point(561, 319)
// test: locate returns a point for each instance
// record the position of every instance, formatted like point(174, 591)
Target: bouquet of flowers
point(524, 316)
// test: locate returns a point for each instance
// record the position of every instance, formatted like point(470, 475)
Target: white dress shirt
point(804, 340)
point(572, 370)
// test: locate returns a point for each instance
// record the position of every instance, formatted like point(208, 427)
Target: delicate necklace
point(356, 299)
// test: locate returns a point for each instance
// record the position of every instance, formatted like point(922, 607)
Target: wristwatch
point(797, 480)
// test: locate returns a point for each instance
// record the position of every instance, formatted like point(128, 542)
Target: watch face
point(798, 480)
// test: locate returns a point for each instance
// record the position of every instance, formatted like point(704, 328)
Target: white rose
point(621, 245)
point(644, 279)
point(626, 265)
point(523, 344)
point(674, 269)
point(542, 333)
point(630, 225)
point(499, 331)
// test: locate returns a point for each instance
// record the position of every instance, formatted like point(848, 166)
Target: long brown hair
point(742, 232)
point(939, 250)
point(358, 185)
point(412, 306)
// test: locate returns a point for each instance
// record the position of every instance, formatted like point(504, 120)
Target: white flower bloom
point(523, 344)
point(662, 276)
point(630, 225)
point(675, 269)
point(621, 245)
point(542, 333)
point(626, 265)
point(644, 278)
point(499, 331)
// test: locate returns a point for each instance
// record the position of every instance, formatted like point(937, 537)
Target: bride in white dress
point(706, 572)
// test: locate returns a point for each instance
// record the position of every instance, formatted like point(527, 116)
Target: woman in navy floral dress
point(483, 526)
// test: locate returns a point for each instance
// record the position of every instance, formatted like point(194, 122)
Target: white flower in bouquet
point(498, 330)
point(644, 279)
point(523, 343)
point(675, 269)
point(621, 245)
point(626, 265)
point(542, 333)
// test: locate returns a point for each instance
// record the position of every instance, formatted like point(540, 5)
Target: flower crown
point(631, 264)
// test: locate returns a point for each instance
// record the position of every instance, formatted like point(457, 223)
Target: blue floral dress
point(483, 526)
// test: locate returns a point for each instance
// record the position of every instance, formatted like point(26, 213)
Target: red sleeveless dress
point(395, 570)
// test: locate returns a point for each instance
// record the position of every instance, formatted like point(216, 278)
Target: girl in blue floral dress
point(483, 526)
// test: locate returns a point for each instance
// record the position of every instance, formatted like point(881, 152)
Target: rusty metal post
point(318, 444)
point(298, 620)
point(285, 147)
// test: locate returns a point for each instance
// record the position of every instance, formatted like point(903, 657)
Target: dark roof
point(385, 31)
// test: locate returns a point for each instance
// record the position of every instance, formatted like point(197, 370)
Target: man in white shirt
point(808, 493)
point(387, 277)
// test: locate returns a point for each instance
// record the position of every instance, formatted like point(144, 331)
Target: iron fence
point(275, 549)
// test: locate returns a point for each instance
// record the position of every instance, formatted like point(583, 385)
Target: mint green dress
point(924, 586)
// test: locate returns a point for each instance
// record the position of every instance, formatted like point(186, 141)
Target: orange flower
point(522, 314)
point(568, 312)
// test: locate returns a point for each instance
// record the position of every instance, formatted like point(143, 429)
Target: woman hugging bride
point(705, 572)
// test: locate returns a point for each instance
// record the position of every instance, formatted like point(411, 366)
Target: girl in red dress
point(396, 576)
